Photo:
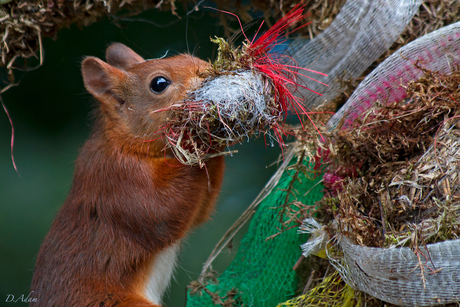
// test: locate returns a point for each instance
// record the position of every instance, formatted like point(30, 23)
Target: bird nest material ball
point(222, 112)
point(246, 91)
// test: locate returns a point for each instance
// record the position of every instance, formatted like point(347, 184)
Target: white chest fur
point(160, 274)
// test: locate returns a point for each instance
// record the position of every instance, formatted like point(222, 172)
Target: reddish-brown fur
point(129, 200)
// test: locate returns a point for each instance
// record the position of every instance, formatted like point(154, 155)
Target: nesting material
point(390, 217)
point(396, 173)
point(247, 90)
point(24, 23)
point(242, 97)
point(223, 111)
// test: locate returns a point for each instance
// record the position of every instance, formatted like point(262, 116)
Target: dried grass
point(23, 23)
point(394, 177)
point(247, 90)
point(223, 111)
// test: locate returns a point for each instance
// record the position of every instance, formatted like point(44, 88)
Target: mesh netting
point(438, 51)
point(361, 32)
point(422, 275)
point(402, 277)
point(262, 271)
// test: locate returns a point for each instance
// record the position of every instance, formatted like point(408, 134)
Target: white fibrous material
point(361, 32)
point(438, 51)
point(242, 101)
point(426, 277)
point(223, 111)
point(318, 236)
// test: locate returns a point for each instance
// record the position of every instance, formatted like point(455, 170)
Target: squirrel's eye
point(159, 84)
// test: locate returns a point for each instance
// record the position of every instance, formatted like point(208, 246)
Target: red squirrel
point(114, 241)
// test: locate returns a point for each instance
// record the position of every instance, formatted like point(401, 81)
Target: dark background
point(51, 114)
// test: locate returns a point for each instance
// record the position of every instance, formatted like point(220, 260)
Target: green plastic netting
point(262, 271)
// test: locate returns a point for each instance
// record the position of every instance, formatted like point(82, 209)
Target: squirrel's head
point(132, 91)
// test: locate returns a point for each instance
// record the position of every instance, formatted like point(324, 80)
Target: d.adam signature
point(10, 298)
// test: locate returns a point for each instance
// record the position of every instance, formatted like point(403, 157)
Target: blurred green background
point(51, 114)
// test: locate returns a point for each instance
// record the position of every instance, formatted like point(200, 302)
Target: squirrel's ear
point(120, 56)
point(100, 78)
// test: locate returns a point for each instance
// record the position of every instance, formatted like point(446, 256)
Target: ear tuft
point(120, 56)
